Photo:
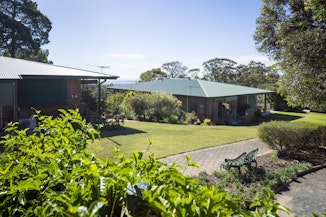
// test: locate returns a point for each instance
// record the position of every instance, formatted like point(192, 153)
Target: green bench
point(238, 162)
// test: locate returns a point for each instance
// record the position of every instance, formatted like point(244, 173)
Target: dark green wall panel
point(42, 92)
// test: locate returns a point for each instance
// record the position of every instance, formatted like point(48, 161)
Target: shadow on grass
point(106, 133)
point(281, 117)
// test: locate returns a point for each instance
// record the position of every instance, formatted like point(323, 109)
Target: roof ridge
point(202, 87)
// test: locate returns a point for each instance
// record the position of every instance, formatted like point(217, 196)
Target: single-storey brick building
point(223, 103)
point(25, 84)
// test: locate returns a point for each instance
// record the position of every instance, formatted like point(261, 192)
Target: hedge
point(290, 137)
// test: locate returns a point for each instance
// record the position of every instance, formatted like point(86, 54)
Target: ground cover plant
point(272, 172)
point(50, 173)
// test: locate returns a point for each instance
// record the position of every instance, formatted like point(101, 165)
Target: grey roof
point(190, 87)
point(11, 68)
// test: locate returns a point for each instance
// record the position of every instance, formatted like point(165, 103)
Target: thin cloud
point(246, 59)
point(126, 56)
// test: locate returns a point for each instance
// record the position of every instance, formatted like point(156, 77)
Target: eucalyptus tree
point(175, 69)
point(152, 74)
point(220, 70)
point(293, 33)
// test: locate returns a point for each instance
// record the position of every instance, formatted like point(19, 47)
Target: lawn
point(312, 117)
point(169, 139)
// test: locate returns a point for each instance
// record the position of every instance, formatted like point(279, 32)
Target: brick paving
point(209, 159)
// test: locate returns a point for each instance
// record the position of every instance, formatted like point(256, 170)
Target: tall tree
point(152, 74)
point(193, 73)
point(37, 56)
point(175, 69)
point(23, 29)
point(293, 32)
point(220, 69)
point(256, 74)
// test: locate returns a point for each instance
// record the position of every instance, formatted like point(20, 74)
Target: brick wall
point(73, 93)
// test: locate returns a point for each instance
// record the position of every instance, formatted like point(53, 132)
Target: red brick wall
point(73, 93)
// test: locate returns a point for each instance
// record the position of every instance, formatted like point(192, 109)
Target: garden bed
point(272, 171)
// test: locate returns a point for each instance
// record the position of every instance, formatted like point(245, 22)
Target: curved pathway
point(209, 159)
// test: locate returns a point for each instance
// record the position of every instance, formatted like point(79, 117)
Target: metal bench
point(236, 162)
point(251, 157)
point(243, 159)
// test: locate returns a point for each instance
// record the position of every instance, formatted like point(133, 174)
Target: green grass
point(311, 117)
point(170, 139)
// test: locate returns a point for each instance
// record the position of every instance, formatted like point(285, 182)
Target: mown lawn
point(318, 118)
point(169, 139)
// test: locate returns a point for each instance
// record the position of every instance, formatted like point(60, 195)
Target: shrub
point(207, 121)
point(50, 173)
point(190, 118)
point(155, 106)
point(291, 137)
point(114, 104)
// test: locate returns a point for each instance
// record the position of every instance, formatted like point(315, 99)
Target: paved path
point(305, 195)
point(209, 159)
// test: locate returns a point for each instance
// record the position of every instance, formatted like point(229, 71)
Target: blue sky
point(132, 36)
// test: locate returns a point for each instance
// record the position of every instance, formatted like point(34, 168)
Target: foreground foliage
point(49, 173)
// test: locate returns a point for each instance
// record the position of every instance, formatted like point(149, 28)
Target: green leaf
point(3, 172)
point(179, 178)
point(95, 207)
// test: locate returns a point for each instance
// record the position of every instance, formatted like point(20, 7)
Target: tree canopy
point(175, 69)
point(220, 70)
point(293, 32)
point(24, 29)
point(152, 74)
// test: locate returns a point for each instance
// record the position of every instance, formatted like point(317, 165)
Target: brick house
point(27, 84)
point(222, 103)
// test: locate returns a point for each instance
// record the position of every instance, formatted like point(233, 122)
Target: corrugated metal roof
point(11, 68)
point(190, 87)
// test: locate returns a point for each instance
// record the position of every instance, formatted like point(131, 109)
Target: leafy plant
point(207, 121)
point(155, 106)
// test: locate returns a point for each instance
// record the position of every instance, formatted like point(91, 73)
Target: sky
point(133, 36)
